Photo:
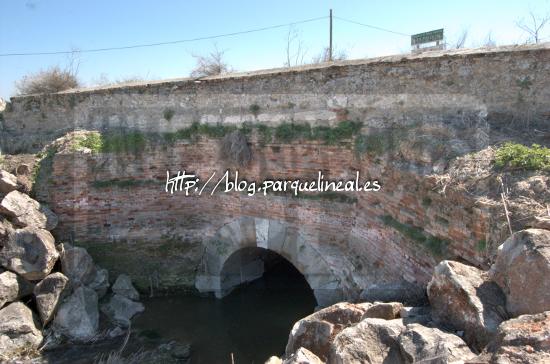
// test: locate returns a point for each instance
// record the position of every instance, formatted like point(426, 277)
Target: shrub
point(93, 141)
point(168, 114)
point(133, 142)
point(210, 65)
point(48, 81)
point(518, 156)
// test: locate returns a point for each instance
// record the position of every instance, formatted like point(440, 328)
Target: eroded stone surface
point(100, 283)
point(463, 298)
point(19, 330)
point(30, 252)
point(522, 270)
point(525, 339)
point(386, 310)
point(77, 265)
point(48, 294)
point(303, 356)
point(121, 309)
point(8, 182)
point(421, 344)
point(25, 211)
point(370, 341)
point(123, 286)
point(78, 315)
point(13, 287)
point(316, 331)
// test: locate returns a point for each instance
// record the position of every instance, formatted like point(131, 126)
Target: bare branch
point(295, 52)
point(534, 27)
point(461, 40)
point(211, 64)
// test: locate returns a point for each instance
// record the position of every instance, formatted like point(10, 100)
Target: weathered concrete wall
point(422, 110)
point(501, 84)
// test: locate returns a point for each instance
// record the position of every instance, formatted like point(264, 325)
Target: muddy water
point(253, 322)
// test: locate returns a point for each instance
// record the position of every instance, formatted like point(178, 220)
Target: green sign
point(433, 36)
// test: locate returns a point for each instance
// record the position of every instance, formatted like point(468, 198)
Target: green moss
point(254, 109)
point(426, 201)
point(168, 114)
point(93, 141)
point(433, 244)
point(525, 83)
point(173, 264)
point(126, 142)
point(481, 246)
point(288, 132)
point(518, 156)
point(42, 170)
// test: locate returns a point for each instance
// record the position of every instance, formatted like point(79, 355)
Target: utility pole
point(330, 39)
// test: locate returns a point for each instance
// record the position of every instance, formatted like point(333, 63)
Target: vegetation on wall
point(168, 114)
point(433, 244)
point(518, 156)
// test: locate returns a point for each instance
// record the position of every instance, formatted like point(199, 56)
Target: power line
point(163, 43)
point(373, 27)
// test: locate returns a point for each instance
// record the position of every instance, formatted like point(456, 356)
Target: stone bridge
point(416, 115)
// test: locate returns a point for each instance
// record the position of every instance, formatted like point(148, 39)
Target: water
point(253, 322)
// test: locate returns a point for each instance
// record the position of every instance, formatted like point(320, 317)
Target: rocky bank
point(474, 316)
point(51, 292)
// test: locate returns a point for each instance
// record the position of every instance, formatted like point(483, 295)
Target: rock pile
point(34, 298)
point(499, 316)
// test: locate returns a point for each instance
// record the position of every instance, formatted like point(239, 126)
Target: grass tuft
point(518, 156)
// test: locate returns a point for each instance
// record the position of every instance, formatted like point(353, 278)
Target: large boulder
point(77, 265)
point(8, 182)
point(525, 339)
point(121, 309)
point(19, 330)
point(24, 211)
point(48, 294)
point(78, 315)
point(370, 341)
point(384, 310)
point(123, 286)
point(464, 299)
point(316, 331)
point(421, 344)
point(303, 356)
point(30, 252)
point(13, 287)
point(100, 283)
point(522, 270)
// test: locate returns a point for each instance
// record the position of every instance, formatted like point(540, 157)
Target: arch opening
point(240, 251)
point(263, 269)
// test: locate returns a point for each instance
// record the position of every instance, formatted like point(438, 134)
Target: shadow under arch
point(237, 251)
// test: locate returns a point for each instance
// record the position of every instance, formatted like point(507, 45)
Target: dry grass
point(51, 80)
point(526, 193)
point(234, 149)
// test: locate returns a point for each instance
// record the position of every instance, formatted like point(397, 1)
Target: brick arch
point(244, 233)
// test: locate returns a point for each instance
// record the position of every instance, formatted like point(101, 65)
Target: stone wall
point(418, 113)
point(501, 84)
point(137, 227)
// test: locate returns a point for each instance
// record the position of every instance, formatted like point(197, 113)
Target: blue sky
point(58, 25)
